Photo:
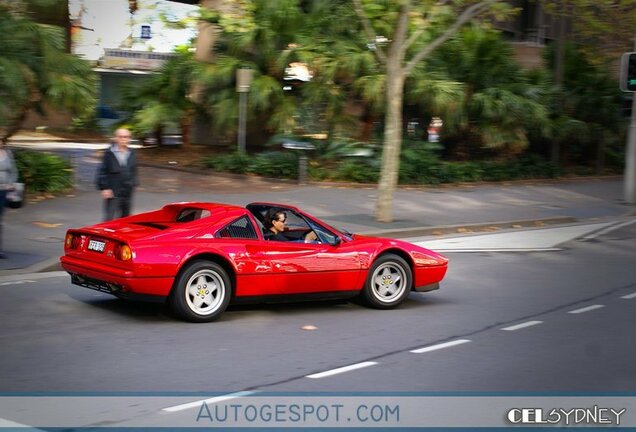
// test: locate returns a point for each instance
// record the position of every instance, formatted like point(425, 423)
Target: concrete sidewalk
point(33, 235)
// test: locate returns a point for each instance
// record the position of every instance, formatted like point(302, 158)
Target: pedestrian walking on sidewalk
point(8, 176)
point(117, 176)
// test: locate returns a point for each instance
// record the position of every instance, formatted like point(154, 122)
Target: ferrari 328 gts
point(200, 257)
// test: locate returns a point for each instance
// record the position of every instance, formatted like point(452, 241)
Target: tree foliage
point(370, 59)
point(162, 101)
point(603, 29)
point(255, 35)
point(586, 109)
point(35, 69)
point(498, 106)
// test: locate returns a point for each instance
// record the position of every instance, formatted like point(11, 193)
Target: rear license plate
point(97, 246)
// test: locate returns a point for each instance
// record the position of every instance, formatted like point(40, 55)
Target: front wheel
point(388, 282)
point(202, 292)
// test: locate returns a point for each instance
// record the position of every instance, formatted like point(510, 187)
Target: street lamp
point(243, 81)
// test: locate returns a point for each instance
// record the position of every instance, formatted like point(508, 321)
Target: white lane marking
point(609, 229)
point(32, 276)
point(540, 240)
point(198, 404)
point(586, 309)
point(629, 296)
point(342, 369)
point(522, 325)
point(440, 346)
point(18, 282)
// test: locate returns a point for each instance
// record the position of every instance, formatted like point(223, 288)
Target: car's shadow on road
point(151, 312)
point(131, 309)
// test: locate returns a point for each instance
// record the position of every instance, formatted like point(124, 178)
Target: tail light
point(72, 241)
point(123, 252)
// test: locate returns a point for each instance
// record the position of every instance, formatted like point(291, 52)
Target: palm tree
point(162, 100)
point(346, 86)
point(35, 69)
point(499, 106)
point(265, 32)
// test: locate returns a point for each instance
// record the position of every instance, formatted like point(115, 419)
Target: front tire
point(388, 283)
point(202, 292)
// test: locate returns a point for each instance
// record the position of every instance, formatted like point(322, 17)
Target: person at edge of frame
point(8, 176)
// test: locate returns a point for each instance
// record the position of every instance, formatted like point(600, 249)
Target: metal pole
point(630, 158)
point(630, 154)
point(302, 169)
point(242, 121)
point(74, 171)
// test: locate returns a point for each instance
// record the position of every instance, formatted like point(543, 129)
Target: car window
point(294, 221)
point(241, 228)
point(324, 235)
point(191, 214)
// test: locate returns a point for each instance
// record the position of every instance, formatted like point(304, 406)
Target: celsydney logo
point(572, 416)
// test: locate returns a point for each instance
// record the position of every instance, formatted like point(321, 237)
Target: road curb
point(471, 228)
point(47, 265)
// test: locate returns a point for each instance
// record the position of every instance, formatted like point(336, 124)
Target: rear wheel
point(202, 292)
point(388, 283)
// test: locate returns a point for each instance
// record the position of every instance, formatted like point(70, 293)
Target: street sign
point(145, 32)
point(244, 78)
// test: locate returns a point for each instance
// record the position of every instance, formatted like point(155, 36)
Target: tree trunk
point(68, 28)
point(186, 125)
point(207, 34)
point(559, 72)
point(392, 142)
point(159, 135)
point(555, 152)
point(599, 157)
point(366, 129)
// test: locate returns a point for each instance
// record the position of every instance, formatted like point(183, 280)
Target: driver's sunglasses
point(282, 220)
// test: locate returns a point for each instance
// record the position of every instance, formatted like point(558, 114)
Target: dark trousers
point(3, 201)
point(116, 207)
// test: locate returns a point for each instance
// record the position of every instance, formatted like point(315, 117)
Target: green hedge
point(43, 172)
point(530, 167)
point(269, 164)
point(419, 165)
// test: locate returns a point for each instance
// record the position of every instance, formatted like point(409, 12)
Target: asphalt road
point(514, 308)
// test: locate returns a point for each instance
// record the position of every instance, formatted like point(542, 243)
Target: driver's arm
point(311, 237)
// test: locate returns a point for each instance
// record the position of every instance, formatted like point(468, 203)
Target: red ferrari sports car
point(200, 257)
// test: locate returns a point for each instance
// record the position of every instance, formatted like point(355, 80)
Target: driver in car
point(275, 226)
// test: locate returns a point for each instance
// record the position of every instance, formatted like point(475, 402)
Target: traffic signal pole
point(630, 158)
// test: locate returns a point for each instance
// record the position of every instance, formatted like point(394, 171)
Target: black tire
point(202, 292)
point(388, 283)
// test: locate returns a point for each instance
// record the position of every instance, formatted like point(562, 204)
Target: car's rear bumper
point(119, 282)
